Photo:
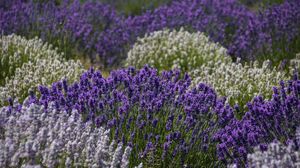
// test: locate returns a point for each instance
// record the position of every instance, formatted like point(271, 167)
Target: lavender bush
point(240, 83)
point(272, 34)
point(262, 123)
point(38, 137)
point(166, 50)
point(70, 25)
point(165, 122)
point(26, 64)
point(16, 50)
point(247, 34)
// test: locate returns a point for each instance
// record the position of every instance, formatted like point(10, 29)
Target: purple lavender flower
point(264, 121)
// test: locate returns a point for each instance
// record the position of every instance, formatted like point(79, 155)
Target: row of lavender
point(162, 121)
point(160, 116)
point(95, 29)
point(163, 118)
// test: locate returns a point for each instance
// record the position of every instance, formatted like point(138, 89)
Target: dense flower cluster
point(247, 34)
point(158, 114)
point(240, 83)
point(272, 34)
point(16, 50)
point(69, 25)
point(26, 64)
point(35, 137)
point(263, 122)
point(277, 155)
point(167, 50)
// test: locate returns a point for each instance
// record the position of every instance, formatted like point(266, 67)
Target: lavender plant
point(165, 122)
point(247, 34)
point(16, 51)
point(168, 49)
point(71, 26)
point(36, 137)
point(265, 121)
point(26, 64)
point(273, 34)
point(240, 83)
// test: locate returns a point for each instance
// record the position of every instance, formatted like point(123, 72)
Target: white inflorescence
point(168, 49)
point(16, 50)
point(277, 155)
point(206, 62)
point(32, 63)
point(296, 62)
point(35, 137)
point(239, 83)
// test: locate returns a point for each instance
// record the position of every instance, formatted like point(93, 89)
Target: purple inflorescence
point(264, 121)
point(142, 107)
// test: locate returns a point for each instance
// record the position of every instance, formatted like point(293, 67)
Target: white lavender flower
point(298, 136)
point(125, 157)
point(117, 157)
point(140, 165)
point(168, 49)
point(26, 64)
point(296, 62)
point(37, 137)
point(239, 83)
point(16, 50)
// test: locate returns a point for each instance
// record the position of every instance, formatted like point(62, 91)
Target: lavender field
point(149, 83)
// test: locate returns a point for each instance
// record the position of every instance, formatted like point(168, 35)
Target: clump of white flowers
point(26, 64)
point(36, 137)
point(277, 155)
point(16, 50)
point(239, 83)
point(170, 49)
